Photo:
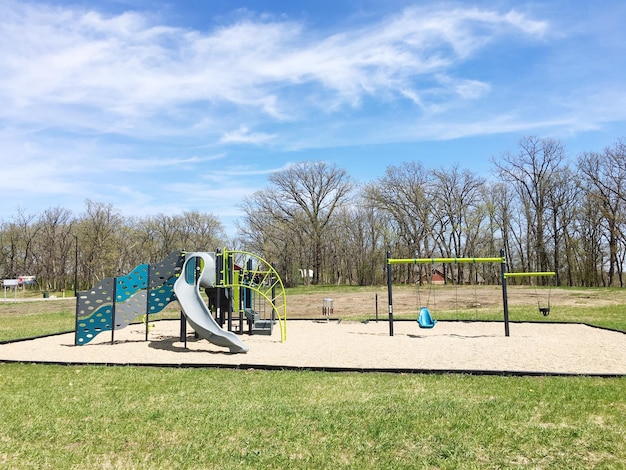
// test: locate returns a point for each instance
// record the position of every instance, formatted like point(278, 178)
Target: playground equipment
point(424, 320)
point(197, 313)
point(238, 284)
point(504, 275)
point(544, 310)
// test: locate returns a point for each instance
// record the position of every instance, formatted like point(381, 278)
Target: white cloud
point(244, 136)
point(152, 164)
point(150, 116)
point(73, 68)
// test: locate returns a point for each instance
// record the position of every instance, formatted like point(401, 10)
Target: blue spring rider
point(424, 319)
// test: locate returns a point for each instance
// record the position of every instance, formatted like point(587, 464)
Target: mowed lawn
point(135, 417)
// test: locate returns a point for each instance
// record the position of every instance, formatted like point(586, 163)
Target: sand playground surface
point(349, 344)
point(455, 346)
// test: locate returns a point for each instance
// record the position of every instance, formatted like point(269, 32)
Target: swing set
point(425, 319)
point(543, 309)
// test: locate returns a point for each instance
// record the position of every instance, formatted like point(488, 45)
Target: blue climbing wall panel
point(145, 290)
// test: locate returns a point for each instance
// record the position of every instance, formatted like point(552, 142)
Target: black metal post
point(147, 310)
point(505, 299)
point(76, 267)
point(183, 329)
point(389, 294)
point(219, 267)
point(240, 307)
point(229, 261)
point(113, 319)
point(76, 321)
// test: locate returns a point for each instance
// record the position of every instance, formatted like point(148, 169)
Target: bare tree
point(563, 202)
point(458, 197)
point(358, 253)
point(604, 177)
point(201, 231)
point(589, 253)
point(55, 247)
point(303, 199)
point(265, 230)
point(97, 233)
point(532, 173)
point(19, 239)
point(404, 194)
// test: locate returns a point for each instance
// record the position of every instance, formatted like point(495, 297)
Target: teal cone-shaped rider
point(425, 320)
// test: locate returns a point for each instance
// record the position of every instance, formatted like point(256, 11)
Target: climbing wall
point(116, 302)
point(163, 275)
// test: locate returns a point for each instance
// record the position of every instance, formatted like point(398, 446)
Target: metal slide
point(198, 315)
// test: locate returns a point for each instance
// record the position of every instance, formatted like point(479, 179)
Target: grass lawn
point(129, 417)
point(133, 417)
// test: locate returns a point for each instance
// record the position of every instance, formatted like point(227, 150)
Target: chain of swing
point(456, 279)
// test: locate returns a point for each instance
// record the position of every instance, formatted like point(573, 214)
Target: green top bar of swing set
point(531, 274)
point(444, 260)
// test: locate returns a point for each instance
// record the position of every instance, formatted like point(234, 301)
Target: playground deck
point(476, 347)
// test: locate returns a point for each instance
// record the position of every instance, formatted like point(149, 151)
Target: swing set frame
point(503, 277)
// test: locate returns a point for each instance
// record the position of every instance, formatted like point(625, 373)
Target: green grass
point(128, 417)
point(35, 325)
point(131, 417)
point(31, 319)
point(613, 317)
point(35, 319)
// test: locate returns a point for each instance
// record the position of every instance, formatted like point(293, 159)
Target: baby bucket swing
point(544, 309)
point(425, 319)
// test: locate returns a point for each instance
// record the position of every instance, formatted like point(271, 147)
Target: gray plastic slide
point(193, 306)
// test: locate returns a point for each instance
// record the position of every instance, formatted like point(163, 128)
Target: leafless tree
point(604, 176)
point(563, 202)
point(97, 233)
point(302, 199)
point(55, 248)
point(457, 195)
point(404, 194)
point(19, 237)
point(532, 173)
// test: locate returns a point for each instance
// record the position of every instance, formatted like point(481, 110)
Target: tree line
point(59, 247)
point(546, 212)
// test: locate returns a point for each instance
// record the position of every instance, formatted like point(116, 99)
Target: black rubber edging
point(267, 367)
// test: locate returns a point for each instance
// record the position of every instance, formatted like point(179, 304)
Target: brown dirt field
point(407, 300)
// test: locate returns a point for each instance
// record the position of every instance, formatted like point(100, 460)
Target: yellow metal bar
point(444, 260)
point(531, 274)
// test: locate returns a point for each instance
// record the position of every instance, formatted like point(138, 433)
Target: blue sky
point(160, 107)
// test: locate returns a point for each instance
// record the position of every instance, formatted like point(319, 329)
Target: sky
point(165, 107)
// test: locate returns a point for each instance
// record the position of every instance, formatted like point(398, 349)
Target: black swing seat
point(545, 311)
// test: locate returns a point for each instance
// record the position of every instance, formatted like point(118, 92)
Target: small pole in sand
point(377, 307)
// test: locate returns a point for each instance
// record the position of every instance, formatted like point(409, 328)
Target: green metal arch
point(269, 280)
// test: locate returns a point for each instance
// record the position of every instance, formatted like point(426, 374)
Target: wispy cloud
point(155, 164)
point(125, 73)
point(153, 115)
point(244, 136)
